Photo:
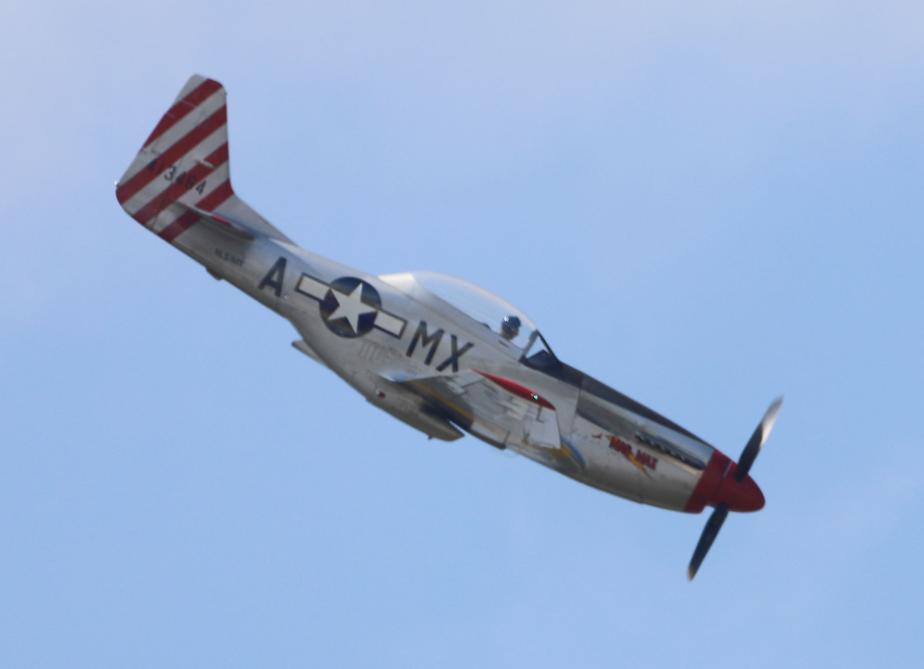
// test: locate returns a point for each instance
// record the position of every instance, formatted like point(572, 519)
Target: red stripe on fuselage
point(519, 390)
point(181, 109)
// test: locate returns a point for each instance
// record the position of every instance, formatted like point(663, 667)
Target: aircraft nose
point(717, 485)
point(744, 495)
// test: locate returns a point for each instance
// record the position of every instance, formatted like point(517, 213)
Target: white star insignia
point(350, 307)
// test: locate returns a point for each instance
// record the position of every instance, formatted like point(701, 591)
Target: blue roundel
point(350, 306)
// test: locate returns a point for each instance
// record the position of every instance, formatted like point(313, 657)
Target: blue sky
point(702, 207)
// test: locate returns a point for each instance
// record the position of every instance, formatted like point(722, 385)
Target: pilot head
point(510, 327)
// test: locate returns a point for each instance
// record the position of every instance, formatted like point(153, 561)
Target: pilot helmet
point(510, 327)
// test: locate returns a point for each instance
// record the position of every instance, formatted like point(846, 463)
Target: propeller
point(748, 455)
point(710, 532)
point(760, 436)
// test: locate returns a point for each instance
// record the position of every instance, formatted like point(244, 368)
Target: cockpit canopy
point(493, 312)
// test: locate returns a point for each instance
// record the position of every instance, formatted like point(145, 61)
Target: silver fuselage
point(604, 442)
point(440, 366)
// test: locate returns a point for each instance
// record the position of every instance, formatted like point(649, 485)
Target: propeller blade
point(713, 525)
point(761, 433)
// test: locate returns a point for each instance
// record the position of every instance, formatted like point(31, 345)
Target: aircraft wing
point(494, 408)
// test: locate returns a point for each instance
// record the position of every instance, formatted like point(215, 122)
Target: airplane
point(439, 353)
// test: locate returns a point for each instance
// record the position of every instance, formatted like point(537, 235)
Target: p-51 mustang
point(436, 352)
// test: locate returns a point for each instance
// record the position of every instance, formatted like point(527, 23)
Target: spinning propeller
point(741, 480)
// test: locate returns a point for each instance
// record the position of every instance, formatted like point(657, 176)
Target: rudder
point(182, 169)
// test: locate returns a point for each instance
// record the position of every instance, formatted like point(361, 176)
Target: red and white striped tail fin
point(182, 171)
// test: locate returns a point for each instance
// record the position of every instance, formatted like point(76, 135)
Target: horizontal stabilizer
point(223, 222)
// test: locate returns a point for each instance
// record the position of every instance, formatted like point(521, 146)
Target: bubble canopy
point(472, 300)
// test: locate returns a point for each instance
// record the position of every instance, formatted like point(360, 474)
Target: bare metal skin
point(436, 352)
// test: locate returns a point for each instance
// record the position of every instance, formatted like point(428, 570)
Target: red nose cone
point(717, 485)
point(742, 495)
